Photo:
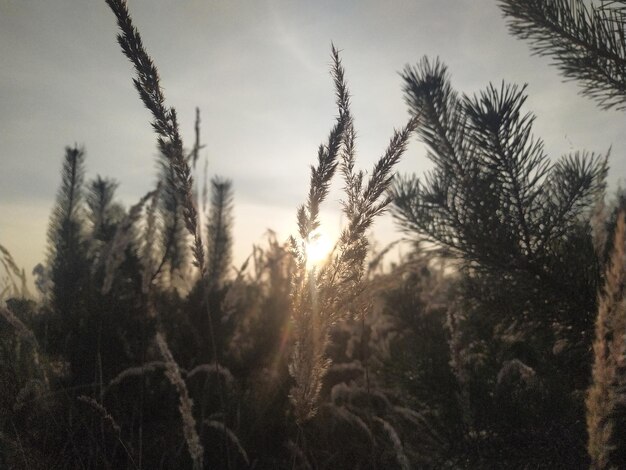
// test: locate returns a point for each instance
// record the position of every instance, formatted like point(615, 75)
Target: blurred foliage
point(474, 350)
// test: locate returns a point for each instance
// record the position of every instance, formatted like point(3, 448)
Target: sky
point(259, 72)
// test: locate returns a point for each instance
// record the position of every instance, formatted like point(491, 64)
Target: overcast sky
point(258, 70)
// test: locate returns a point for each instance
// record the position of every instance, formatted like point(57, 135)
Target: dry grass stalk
point(26, 334)
point(609, 348)
point(297, 456)
point(598, 226)
point(172, 372)
point(334, 292)
point(236, 291)
point(421, 422)
point(232, 438)
point(11, 268)
point(122, 238)
point(308, 364)
point(195, 151)
point(165, 122)
point(102, 411)
point(221, 373)
point(398, 448)
point(342, 413)
point(21, 330)
point(138, 371)
point(458, 361)
point(106, 416)
point(147, 258)
point(8, 262)
point(33, 390)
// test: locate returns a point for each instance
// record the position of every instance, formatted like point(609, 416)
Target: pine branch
point(432, 100)
point(587, 42)
point(502, 135)
point(491, 176)
point(575, 182)
point(66, 256)
point(70, 194)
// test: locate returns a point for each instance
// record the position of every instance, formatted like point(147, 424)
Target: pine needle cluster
point(494, 196)
point(587, 41)
point(65, 235)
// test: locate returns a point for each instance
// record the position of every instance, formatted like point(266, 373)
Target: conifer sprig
point(491, 174)
point(66, 253)
point(67, 209)
point(587, 41)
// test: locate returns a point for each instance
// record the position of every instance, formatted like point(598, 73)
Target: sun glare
point(317, 250)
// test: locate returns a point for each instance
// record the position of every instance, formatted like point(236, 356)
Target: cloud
point(285, 36)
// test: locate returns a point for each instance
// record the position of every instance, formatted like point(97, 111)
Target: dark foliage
point(530, 272)
point(587, 41)
point(473, 351)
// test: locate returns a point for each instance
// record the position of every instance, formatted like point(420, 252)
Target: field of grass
point(497, 341)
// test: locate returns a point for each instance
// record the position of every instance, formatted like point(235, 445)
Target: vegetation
point(497, 341)
point(587, 41)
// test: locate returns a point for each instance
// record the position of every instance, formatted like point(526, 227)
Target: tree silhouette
point(530, 274)
point(67, 261)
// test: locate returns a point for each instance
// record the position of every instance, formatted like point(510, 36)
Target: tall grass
point(165, 121)
point(14, 282)
point(172, 372)
point(321, 297)
point(475, 354)
point(606, 393)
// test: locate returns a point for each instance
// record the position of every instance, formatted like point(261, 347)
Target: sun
point(317, 250)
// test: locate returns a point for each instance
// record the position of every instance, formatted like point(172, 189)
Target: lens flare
point(317, 250)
